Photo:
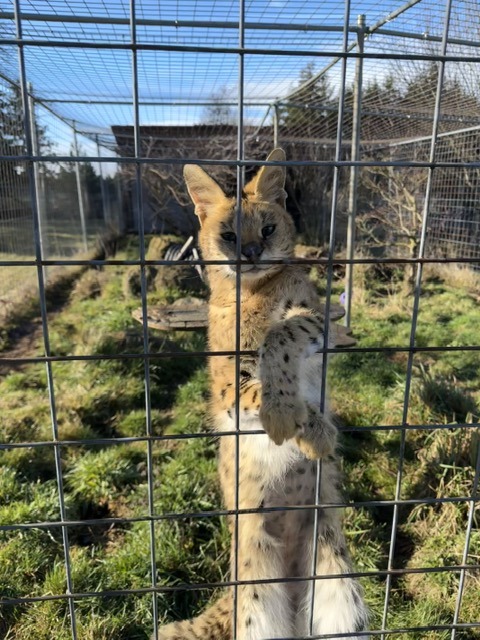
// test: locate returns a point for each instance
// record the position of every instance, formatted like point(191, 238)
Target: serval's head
point(267, 230)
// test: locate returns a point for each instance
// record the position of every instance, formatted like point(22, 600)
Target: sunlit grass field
point(105, 399)
point(19, 283)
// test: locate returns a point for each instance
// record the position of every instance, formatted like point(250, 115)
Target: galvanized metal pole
point(417, 291)
point(139, 201)
point(328, 296)
point(275, 126)
point(105, 202)
point(121, 217)
point(79, 190)
point(238, 304)
point(36, 170)
point(57, 450)
point(352, 195)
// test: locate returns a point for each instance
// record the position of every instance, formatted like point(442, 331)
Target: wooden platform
point(190, 314)
point(186, 314)
point(336, 311)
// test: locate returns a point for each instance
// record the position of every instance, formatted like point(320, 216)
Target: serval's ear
point(203, 190)
point(269, 183)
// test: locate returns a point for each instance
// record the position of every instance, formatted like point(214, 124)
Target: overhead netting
point(79, 65)
point(377, 65)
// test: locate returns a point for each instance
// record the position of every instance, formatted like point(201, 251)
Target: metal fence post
point(105, 200)
point(275, 126)
point(121, 215)
point(39, 185)
point(450, 195)
point(352, 194)
point(79, 189)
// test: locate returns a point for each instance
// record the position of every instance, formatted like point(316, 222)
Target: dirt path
point(25, 343)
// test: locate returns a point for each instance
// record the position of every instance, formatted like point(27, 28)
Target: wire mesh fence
point(77, 205)
point(108, 486)
point(453, 218)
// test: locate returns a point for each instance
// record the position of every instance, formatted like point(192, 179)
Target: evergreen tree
point(14, 191)
point(12, 143)
point(312, 109)
point(63, 187)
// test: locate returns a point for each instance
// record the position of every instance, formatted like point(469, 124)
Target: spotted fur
point(281, 320)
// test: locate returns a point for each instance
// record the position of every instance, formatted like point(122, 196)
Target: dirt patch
point(23, 332)
point(24, 341)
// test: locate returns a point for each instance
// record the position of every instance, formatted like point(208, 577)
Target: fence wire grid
point(377, 105)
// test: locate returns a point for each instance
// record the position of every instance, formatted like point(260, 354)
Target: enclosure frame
point(32, 158)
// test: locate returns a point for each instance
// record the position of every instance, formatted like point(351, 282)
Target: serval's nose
point(252, 251)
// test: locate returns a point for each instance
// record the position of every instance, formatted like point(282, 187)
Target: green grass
point(369, 389)
point(106, 399)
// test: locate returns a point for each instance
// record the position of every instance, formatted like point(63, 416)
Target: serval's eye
point(268, 230)
point(229, 236)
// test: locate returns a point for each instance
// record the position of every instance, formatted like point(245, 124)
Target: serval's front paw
point(318, 437)
point(282, 419)
point(167, 632)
